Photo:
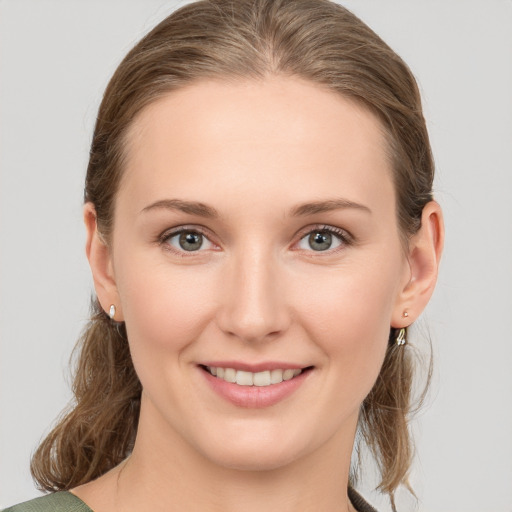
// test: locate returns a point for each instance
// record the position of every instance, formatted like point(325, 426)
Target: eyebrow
point(203, 210)
point(191, 207)
point(326, 206)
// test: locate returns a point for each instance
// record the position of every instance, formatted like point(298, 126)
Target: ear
point(100, 261)
point(424, 254)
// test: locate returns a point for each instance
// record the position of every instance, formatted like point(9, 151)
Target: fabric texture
point(360, 504)
point(66, 502)
point(56, 502)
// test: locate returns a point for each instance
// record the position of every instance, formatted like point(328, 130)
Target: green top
point(64, 501)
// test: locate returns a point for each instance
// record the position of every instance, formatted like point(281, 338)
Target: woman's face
point(255, 231)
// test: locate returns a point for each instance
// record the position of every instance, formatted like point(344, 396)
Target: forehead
point(273, 137)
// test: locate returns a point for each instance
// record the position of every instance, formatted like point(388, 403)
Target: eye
point(323, 239)
point(188, 240)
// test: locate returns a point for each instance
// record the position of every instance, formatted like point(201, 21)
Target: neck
point(166, 473)
point(170, 471)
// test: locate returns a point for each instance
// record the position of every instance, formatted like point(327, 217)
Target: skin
point(256, 291)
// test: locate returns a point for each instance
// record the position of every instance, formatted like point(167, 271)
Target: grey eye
point(189, 241)
point(320, 240)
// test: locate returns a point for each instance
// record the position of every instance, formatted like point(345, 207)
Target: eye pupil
point(320, 240)
point(191, 241)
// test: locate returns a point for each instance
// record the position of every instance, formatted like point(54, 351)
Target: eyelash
point(345, 238)
point(163, 239)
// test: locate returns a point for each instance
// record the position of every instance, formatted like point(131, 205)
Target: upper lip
point(254, 367)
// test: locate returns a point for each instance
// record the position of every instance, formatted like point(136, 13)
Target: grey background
point(55, 60)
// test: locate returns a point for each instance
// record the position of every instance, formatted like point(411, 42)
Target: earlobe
point(425, 249)
point(99, 256)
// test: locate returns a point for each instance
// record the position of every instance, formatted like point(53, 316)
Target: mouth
point(256, 379)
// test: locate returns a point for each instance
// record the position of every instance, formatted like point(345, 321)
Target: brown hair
point(316, 40)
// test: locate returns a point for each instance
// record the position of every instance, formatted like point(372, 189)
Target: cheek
point(164, 308)
point(350, 300)
point(348, 315)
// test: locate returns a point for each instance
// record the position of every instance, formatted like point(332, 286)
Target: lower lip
point(255, 397)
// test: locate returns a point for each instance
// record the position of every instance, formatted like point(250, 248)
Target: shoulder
point(57, 502)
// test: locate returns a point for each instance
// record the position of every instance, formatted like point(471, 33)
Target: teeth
point(276, 376)
point(229, 375)
point(260, 379)
point(288, 374)
point(244, 378)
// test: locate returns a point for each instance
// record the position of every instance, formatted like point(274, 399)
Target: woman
point(261, 233)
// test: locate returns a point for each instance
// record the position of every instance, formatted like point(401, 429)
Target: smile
point(266, 385)
point(259, 379)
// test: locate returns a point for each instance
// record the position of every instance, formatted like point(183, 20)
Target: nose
point(253, 306)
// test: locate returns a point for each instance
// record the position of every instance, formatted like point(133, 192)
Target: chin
point(262, 451)
point(253, 460)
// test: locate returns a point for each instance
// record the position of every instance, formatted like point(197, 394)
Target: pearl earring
point(112, 312)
